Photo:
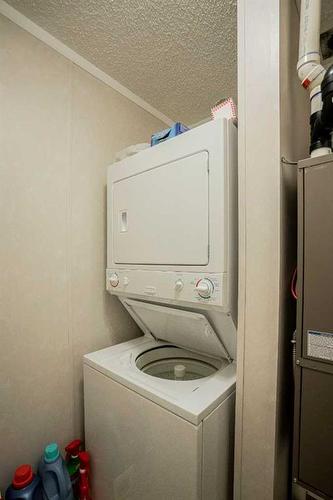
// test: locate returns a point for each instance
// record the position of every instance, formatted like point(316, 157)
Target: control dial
point(204, 288)
point(114, 280)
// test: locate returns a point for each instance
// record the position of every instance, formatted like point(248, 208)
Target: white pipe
point(320, 152)
point(310, 71)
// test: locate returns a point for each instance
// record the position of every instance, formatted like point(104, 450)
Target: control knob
point(114, 280)
point(179, 285)
point(204, 288)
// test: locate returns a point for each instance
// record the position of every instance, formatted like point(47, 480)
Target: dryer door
point(186, 329)
point(160, 215)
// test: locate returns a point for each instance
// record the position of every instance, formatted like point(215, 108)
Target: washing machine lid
point(190, 330)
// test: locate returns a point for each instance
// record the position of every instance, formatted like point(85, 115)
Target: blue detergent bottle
point(54, 475)
point(25, 485)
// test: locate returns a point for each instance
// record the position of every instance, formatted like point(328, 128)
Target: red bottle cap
point(23, 476)
point(84, 459)
point(73, 447)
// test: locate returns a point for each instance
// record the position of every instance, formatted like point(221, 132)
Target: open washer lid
point(185, 329)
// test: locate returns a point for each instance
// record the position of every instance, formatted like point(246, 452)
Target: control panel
point(168, 286)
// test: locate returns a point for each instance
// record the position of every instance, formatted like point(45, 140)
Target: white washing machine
point(159, 410)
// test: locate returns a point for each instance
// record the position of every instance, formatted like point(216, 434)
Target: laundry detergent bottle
point(25, 486)
point(54, 475)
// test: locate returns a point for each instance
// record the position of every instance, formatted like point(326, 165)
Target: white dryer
point(159, 410)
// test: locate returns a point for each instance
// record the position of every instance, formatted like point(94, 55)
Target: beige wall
point(273, 122)
point(59, 129)
point(294, 145)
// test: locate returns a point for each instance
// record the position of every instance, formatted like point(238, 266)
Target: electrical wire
point(297, 7)
point(287, 162)
point(293, 287)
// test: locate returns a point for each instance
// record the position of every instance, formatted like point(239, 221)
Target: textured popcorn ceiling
point(178, 55)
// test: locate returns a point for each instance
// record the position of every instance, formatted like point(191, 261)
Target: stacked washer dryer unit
point(159, 410)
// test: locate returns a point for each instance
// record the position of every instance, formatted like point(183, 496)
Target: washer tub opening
point(175, 363)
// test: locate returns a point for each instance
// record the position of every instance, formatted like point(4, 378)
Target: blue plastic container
point(25, 485)
point(54, 475)
point(168, 133)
